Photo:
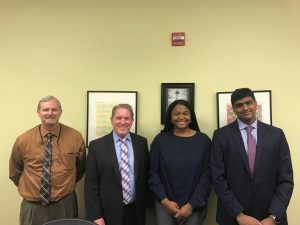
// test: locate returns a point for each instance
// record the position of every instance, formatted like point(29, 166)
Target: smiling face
point(49, 113)
point(245, 109)
point(181, 117)
point(121, 121)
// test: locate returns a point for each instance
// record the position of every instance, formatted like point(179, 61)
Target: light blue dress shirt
point(243, 131)
point(117, 142)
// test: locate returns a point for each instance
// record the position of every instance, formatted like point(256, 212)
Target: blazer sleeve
point(149, 196)
point(285, 183)
point(91, 186)
point(154, 180)
point(203, 188)
point(218, 175)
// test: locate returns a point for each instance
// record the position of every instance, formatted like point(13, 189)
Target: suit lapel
point(112, 154)
point(237, 137)
point(259, 145)
point(135, 146)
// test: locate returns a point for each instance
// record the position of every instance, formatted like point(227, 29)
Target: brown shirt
point(68, 161)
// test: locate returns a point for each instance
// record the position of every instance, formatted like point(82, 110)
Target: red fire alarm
point(178, 39)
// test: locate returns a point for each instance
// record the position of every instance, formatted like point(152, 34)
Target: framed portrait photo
point(173, 91)
point(226, 114)
point(99, 107)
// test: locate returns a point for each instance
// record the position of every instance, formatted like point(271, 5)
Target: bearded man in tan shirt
point(67, 166)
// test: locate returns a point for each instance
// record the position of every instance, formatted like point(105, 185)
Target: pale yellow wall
point(65, 48)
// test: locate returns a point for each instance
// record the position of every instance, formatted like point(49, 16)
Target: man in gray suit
point(108, 199)
point(253, 181)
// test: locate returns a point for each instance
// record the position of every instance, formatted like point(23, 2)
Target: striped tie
point(124, 168)
point(251, 149)
point(45, 192)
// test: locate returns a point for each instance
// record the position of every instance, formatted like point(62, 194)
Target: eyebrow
point(246, 102)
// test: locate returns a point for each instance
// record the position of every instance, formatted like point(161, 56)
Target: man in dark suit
point(249, 193)
point(115, 195)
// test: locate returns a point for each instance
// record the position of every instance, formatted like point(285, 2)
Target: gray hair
point(124, 106)
point(48, 98)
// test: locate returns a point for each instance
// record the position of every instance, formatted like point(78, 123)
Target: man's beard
point(51, 121)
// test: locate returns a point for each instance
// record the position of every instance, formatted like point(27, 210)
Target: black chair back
point(69, 221)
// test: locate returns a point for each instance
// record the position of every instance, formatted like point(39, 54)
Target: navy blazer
point(103, 189)
point(268, 191)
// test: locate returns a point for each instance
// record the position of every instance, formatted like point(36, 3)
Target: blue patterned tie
point(251, 149)
point(45, 192)
point(124, 169)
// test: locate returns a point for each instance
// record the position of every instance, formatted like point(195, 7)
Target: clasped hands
point(181, 214)
point(243, 219)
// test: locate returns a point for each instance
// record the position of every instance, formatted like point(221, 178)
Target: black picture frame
point(226, 115)
point(99, 107)
point(173, 91)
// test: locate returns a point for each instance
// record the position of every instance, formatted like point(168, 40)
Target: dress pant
point(162, 217)
point(129, 214)
point(34, 213)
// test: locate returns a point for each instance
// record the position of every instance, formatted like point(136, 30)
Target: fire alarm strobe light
point(178, 39)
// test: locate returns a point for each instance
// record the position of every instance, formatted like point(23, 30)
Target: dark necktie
point(45, 192)
point(124, 168)
point(251, 149)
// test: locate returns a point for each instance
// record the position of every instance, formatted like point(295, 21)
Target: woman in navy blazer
point(179, 168)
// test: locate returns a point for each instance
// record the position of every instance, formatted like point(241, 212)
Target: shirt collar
point(242, 125)
point(117, 137)
point(55, 132)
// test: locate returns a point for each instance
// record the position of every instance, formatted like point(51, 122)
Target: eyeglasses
point(242, 104)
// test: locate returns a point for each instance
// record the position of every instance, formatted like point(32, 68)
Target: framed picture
point(99, 107)
point(226, 114)
point(173, 91)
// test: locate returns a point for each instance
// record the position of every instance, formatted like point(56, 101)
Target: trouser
point(129, 214)
point(34, 213)
point(162, 217)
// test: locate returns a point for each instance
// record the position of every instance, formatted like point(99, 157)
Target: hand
point(243, 219)
point(99, 221)
point(170, 206)
point(184, 212)
point(268, 221)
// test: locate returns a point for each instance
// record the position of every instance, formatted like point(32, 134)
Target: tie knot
point(49, 136)
point(123, 140)
point(249, 129)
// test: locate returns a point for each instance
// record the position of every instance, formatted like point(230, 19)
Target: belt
point(51, 202)
point(129, 205)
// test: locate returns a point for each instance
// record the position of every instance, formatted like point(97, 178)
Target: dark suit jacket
point(270, 189)
point(103, 189)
